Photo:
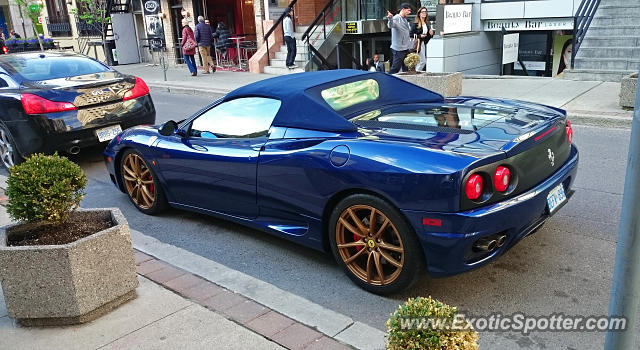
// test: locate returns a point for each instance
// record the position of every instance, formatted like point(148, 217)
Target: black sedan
point(58, 101)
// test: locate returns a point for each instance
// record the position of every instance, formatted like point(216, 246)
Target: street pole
point(24, 30)
point(625, 289)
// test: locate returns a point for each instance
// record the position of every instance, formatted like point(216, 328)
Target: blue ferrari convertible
point(391, 178)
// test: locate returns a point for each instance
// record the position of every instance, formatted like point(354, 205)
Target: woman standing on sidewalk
point(188, 45)
point(422, 31)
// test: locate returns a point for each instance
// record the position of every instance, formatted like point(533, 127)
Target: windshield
point(53, 67)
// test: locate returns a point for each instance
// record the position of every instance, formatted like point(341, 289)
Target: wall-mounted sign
point(153, 24)
point(457, 19)
point(510, 47)
point(520, 24)
point(353, 27)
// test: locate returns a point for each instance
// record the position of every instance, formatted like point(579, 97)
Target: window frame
point(189, 123)
point(11, 84)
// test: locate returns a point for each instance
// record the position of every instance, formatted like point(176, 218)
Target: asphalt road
point(566, 267)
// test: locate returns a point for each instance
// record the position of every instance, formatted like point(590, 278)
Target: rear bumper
point(61, 131)
point(447, 248)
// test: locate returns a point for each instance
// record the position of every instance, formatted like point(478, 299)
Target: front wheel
point(373, 243)
point(141, 183)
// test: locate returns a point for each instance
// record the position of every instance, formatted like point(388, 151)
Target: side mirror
point(168, 128)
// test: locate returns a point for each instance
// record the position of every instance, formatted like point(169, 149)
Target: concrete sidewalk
point(174, 309)
point(586, 102)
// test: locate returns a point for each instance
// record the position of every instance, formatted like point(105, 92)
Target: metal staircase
point(316, 43)
point(91, 34)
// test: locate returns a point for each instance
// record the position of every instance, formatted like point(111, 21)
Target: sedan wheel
point(8, 151)
point(141, 184)
point(374, 244)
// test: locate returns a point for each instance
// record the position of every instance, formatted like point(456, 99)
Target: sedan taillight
point(569, 132)
point(5, 50)
point(474, 186)
point(140, 89)
point(501, 178)
point(34, 104)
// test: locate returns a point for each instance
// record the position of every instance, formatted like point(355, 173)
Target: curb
point(328, 322)
point(247, 313)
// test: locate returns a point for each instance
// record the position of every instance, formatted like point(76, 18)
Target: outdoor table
point(237, 39)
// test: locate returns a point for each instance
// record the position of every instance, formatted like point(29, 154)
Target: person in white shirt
point(289, 39)
point(379, 66)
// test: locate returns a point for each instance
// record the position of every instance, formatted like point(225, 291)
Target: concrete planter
point(628, 87)
point(70, 283)
point(446, 84)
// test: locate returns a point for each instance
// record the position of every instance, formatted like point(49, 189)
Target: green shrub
point(407, 329)
point(411, 61)
point(45, 188)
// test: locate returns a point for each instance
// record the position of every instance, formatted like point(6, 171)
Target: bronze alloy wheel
point(370, 245)
point(138, 181)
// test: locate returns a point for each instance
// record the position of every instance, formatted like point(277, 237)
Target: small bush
point(45, 188)
point(411, 61)
point(404, 331)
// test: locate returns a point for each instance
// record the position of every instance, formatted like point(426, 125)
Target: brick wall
point(307, 10)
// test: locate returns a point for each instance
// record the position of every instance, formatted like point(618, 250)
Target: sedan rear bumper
point(61, 131)
point(448, 248)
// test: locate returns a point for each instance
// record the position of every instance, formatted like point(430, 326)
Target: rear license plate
point(106, 134)
point(555, 198)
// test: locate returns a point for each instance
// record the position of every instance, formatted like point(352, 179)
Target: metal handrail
point(321, 15)
point(320, 20)
point(275, 25)
point(581, 22)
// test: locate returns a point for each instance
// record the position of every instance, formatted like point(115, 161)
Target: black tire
point(9, 155)
point(380, 247)
point(141, 183)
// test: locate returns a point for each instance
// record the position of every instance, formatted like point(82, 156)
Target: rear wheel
point(373, 243)
point(141, 184)
point(8, 152)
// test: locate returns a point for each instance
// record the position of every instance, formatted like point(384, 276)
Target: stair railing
point(328, 17)
point(581, 22)
point(275, 25)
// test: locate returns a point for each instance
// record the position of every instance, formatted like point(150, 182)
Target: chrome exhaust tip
point(486, 245)
point(501, 240)
point(74, 150)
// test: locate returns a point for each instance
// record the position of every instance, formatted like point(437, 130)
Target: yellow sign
point(351, 28)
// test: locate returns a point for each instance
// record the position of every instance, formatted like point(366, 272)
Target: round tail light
point(502, 178)
point(473, 188)
point(569, 132)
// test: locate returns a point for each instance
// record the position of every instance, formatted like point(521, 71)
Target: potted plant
point(426, 323)
point(60, 265)
point(411, 61)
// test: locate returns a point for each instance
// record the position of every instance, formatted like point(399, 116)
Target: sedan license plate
point(106, 134)
point(555, 198)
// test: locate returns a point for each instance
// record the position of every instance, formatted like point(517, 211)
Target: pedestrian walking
point(289, 39)
point(189, 44)
point(204, 37)
point(400, 37)
point(422, 32)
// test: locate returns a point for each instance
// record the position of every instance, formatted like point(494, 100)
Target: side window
point(3, 83)
point(240, 118)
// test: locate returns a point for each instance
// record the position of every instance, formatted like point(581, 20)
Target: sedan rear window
point(54, 67)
